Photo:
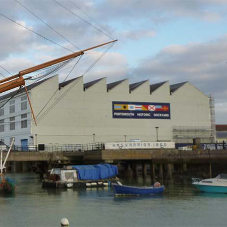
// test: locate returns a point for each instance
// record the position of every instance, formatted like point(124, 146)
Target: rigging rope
point(46, 24)
point(57, 89)
point(34, 32)
point(6, 70)
point(91, 18)
point(72, 85)
point(11, 97)
point(82, 19)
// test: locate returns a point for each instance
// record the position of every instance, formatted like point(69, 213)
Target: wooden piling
point(161, 171)
point(170, 173)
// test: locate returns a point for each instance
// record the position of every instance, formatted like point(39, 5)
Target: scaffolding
point(186, 134)
point(212, 118)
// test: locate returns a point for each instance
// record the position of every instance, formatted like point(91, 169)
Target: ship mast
point(18, 80)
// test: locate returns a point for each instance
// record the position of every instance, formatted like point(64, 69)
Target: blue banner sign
point(142, 110)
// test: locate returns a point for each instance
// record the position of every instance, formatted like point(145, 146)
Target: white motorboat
point(213, 185)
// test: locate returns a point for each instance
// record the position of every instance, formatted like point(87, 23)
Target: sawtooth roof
point(114, 84)
point(29, 87)
point(153, 87)
point(136, 85)
point(65, 83)
point(91, 83)
point(175, 87)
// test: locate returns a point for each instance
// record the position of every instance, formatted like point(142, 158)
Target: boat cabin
point(64, 175)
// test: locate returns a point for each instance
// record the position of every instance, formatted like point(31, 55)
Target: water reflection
point(180, 205)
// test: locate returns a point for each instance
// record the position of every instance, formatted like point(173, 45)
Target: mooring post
point(144, 169)
point(161, 171)
point(184, 167)
point(170, 173)
point(153, 175)
point(135, 170)
point(210, 164)
point(210, 170)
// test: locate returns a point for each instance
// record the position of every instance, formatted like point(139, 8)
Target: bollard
point(64, 222)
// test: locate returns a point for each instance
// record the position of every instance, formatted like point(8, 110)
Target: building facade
point(74, 112)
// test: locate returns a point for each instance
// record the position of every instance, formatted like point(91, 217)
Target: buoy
point(64, 222)
point(157, 185)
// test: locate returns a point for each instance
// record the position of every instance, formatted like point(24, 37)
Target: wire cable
point(90, 18)
point(2, 75)
point(18, 91)
point(6, 70)
point(57, 89)
point(83, 19)
point(46, 24)
point(73, 84)
point(34, 32)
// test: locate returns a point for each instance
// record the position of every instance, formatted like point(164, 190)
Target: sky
point(158, 40)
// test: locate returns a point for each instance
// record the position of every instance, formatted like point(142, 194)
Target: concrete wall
point(78, 116)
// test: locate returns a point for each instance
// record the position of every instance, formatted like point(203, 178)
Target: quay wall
point(156, 163)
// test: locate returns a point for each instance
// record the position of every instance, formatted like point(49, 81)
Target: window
point(12, 123)
point(11, 140)
point(24, 105)
point(24, 124)
point(1, 112)
point(11, 102)
point(2, 125)
point(12, 109)
point(23, 116)
point(24, 98)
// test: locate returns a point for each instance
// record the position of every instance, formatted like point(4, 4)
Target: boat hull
point(78, 184)
point(211, 188)
point(129, 190)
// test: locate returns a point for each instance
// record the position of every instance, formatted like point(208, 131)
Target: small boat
point(81, 176)
point(213, 185)
point(120, 189)
point(7, 185)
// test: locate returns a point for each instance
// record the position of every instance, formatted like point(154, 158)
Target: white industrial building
point(74, 112)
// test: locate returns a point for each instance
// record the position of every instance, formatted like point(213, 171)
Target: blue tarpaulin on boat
point(95, 172)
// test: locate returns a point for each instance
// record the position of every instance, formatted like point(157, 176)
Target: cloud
point(138, 34)
point(204, 65)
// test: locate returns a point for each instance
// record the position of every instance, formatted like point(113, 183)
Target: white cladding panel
point(139, 145)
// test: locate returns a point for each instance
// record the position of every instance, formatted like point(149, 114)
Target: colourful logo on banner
point(141, 107)
point(141, 110)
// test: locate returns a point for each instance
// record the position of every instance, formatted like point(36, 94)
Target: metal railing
point(58, 148)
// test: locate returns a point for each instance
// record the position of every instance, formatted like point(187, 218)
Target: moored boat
point(120, 189)
point(212, 185)
point(81, 176)
point(7, 185)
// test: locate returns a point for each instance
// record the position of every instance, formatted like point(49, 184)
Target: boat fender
point(157, 185)
point(93, 183)
point(105, 184)
point(88, 184)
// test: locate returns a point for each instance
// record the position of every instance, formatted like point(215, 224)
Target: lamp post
point(125, 137)
point(157, 132)
point(93, 138)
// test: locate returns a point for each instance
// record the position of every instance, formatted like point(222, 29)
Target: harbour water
point(181, 205)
